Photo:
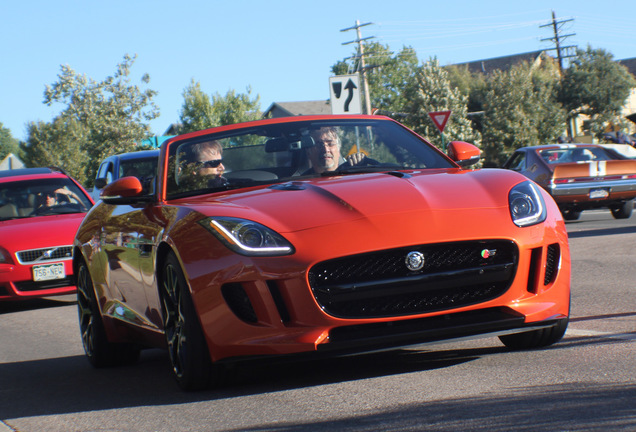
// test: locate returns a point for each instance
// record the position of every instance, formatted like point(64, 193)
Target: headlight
point(526, 204)
point(4, 256)
point(246, 237)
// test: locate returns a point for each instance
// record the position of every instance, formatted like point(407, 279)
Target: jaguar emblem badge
point(414, 261)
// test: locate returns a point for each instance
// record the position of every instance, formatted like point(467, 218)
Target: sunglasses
point(211, 163)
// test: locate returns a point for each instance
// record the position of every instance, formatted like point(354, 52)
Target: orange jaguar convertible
point(316, 235)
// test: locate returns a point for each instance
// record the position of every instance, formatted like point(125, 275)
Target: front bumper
point(16, 283)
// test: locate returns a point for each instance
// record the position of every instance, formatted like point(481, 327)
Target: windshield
point(294, 151)
point(39, 197)
point(140, 168)
point(577, 154)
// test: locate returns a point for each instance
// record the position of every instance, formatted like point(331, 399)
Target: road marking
point(592, 333)
point(5, 427)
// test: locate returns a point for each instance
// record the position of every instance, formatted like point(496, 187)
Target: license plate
point(599, 193)
point(48, 272)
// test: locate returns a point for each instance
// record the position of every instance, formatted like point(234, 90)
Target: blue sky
point(283, 50)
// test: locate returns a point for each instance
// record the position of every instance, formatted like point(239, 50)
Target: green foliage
point(389, 75)
point(99, 119)
point(472, 85)
point(520, 110)
point(526, 105)
point(199, 111)
point(597, 86)
point(8, 144)
point(56, 144)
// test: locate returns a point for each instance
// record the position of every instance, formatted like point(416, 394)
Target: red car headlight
point(5, 258)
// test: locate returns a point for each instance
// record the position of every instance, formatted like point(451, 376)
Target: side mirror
point(123, 191)
point(100, 183)
point(463, 153)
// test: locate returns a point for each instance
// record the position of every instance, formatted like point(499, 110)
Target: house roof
point(500, 63)
point(630, 64)
point(287, 109)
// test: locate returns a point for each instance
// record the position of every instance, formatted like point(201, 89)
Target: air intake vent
point(238, 301)
point(553, 256)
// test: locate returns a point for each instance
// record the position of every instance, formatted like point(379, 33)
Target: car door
point(125, 257)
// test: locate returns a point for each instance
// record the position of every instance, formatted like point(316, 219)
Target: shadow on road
point(36, 303)
point(70, 385)
point(602, 232)
point(578, 406)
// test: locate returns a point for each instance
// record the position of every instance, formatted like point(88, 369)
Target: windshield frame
point(406, 149)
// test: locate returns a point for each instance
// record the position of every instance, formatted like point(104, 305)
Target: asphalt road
point(586, 382)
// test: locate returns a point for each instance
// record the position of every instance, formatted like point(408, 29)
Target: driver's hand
point(356, 158)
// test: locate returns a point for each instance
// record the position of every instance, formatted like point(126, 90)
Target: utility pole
point(562, 51)
point(363, 67)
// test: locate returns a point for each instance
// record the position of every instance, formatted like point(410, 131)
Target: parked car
point(580, 176)
point(142, 164)
point(393, 243)
point(40, 211)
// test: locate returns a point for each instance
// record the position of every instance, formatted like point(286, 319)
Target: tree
point(196, 112)
point(8, 144)
point(56, 144)
point(597, 86)
point(100, 118)
point(520, 109)
point(472, 85)
point(199, 111)
point(430, 91)
point(389, 75)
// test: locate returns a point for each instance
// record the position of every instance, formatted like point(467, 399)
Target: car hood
point(397, 197)
point(39, 232)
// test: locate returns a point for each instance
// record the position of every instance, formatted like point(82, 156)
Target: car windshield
point(577, 154)
point(40, 197)
point(140, 168)
point(295, 150)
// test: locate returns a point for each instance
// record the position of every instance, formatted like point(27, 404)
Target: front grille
point(379, 284)
point(54, 253)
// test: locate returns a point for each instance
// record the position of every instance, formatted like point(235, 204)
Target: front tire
point(536, 338)
point(99, 351)
point(571, 215)
point(187, 348)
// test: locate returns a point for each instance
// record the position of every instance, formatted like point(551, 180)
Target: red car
point(319, 234)
point(580, 177)
point(40, 210)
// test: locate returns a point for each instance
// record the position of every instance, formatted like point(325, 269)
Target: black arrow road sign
point(350, 86)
